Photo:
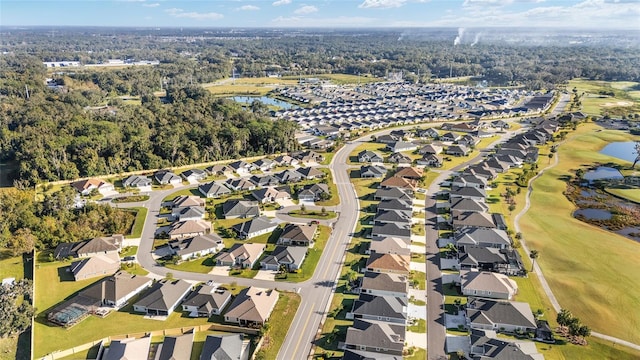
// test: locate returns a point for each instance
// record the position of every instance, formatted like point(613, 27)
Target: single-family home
point(457, 150)
point(220, 169)
point(164, 177)
point(97, 246)
point(193, 175)
point(308, 156)
point(298, 235)
point(241, 168)
point(130, 348)
point(162, 298)
point(487, 284)
point(116, 290)
point(399, 182)
point(472, 219)
point(313, 192)
point(384, 284)
point(391, 230)
point(376, 336)
point(431, 160)
point(369, 156)
point(94, 266)
point(177, 347)
point(310, 173)
point(398, 217)
point(240, 209)
point(430, 149)
point(291, 257)
point(85, 187)
point(450, 137)
point(206, 301)
point(252, 306)
point(286, 160)
point(390, 245)
point(197, 246)
point(393, 193)
point(288, 176)
point(483, 237)
point(504, 261)
point(352, 354)
point(213, 190)
point(136, 181)
point(410, 172)
point(499, 315)
point(399, 158)
point(469, 180)
point(264, 164)
point(188, 228)
point(264, 180)
point(183, 201)
point(271, 194)
point(382, 308)
point(486, 345)
point(400, 146)
point(388, 263)
point(188, 213)
point(232, 346)
point(373, 171)
point(241, 255)
point(394, 204)
point(467, 192)
point(239, 184)
point(255, 227)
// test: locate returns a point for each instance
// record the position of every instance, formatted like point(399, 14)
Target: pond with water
point(603, 172)
point(621, 150)
point(265, 100)
point(593, 214)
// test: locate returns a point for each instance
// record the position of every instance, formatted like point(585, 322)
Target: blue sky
point(620, 14)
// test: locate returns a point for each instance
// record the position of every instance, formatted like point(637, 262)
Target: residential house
point(400, 159)
point(473, 220)
point(116, 290)
point(94, 266)
point(376, 336)
point(398, 217)
point(291, 257)
point(461, 205)
point(271, 194)
point(225, 347)
point(264, 180)
point(313, 192)
point(351, 354)
point(239, 184)
point(412, 173)
point(464, 127)
point(240, 209)
point(490, 259)
point(96, 246)
point(85, 187)
point(162, 298)
point(457, 150)
point(431, 160)
point(164, 177)
point(470, 181)
point(391, 230)
point(382, 308)
point(176, 347)
point(183, 201)
point(193, 175)
point(241, 167)
point(394, 204)
point(393, 193)
point(369, 156)
point(289, 176)
point(286, 160)
point(136, 181)
point(390, 245)
point(255, 227)
point(298, 235)
point(252, 306)
point(450, 137)
point(264, 164)
point(485, 345)
point(497, 165)
point(388, 139)
point(310, 173)
point(130, 348)
point(189, 228)
point(499, 315)
point(188, 213)
point(481, 170)
point(430, 149)
point(197, 246)
point(241, 255)
point(220, 169)
point(487, 284)
point(388, 263)
point(428, 133)
point(398, 182)
point(400, 146)
point(206, 301)
point(308, 156)
point(213, 190)
point(483, 237)
point(500, 124)
point(384, 284)
point(468, 141)
point(373, 171)
point(467, 192)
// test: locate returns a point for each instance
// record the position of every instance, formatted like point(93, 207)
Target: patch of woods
point(26, 224)
point(571, 328)
point(16, 307)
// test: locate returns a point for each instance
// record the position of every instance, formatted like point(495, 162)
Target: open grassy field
point(614, 97)
point(138, 223)
point(285, 311)
point(590, 270)
point(630, 194)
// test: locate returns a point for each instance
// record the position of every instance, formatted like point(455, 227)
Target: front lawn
point(313, 256)
point(183, 192)
point(418, 326)
point(138, 223)
point(129, 251)
point(202, 265)
point(418, 279)
point(285, 310)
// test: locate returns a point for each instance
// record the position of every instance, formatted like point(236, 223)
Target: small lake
point(593, 214)
point(621, 150)
point(265, 100)
point(603, 172)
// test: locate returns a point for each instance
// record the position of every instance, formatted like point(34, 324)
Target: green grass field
point(138, 224)
point(589, 269)
point(285, 311)
point(313, 214)
point(597, 98)
point(630, 194)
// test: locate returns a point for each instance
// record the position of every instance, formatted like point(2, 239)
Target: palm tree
point(533, 255)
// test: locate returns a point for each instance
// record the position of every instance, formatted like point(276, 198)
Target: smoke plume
point(458, 38)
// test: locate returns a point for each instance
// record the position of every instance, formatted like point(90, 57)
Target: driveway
point(418, 294)
point(416, 339)
point(417, 311)
point(286, 202)
point(454, 343)
point(416, 266)
point(265, 275)
point(452, 321)
point(220, 271)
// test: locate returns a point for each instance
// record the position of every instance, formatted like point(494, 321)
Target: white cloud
point(381, 4)
point(340, 21)
point(281, 2)
point(152, 5)
point(306, 9)
point(248, 8)
point(180, 13)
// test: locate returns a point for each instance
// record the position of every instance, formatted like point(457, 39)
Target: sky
point(590, 14)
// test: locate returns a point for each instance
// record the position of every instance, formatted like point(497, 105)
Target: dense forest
point(54, 135)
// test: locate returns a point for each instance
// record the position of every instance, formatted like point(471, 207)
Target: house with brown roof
point(189, 228)
point(388, 263)
point(242, 255)
point(410, 172)
point(96, 246)
point(298, 235)
point(85, 187)
point(399, 182)
point(130, 348)
point(186, 201)
point(252, 306)
point(177, 347)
